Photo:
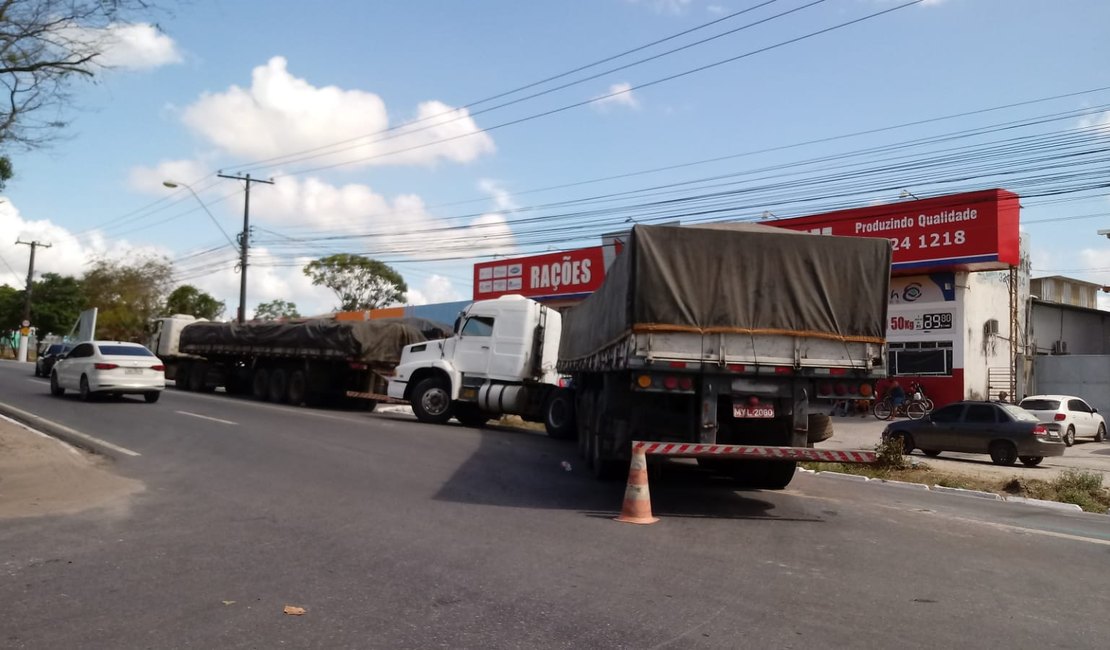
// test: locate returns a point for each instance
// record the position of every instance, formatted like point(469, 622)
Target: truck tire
point(820, 428)
point(469, 415)
point(298, 387)
point(431, 401)
point(602, 468)
point(761, 474)
point(181, 377)
point(559, 415)
point(198, 372)
point(279, 386)
point(260, 384)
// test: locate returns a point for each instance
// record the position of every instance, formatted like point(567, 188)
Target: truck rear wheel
point(558, 414)
point(198, 372)
point(182, 376)
point(603, 468)
point(279, 386)
point(260, 384)
point(298, 387)
point(431, 401)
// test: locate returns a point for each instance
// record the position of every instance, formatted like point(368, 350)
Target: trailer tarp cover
point(372, 341)
point(738, 278)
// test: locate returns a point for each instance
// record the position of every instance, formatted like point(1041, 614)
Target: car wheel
point(931, 453)
point(1100, 435)
point(1003, 453)
point(431, 401)
point(152, 396)
point(1069, 436)
point(85, 392)
point(55, 388)
point(1031, 461)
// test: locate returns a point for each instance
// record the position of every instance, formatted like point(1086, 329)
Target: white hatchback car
point(110, 368)
point(1067, 415)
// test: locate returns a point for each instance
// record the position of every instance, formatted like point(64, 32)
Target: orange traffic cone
point(637, 498)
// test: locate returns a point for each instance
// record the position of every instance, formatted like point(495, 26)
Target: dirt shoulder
point(40, 476)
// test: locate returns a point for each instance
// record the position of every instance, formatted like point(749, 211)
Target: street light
point(1105, 233)
point(176, 184)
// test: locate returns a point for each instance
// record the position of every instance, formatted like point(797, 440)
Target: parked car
point(48, 357)
point(110, 368)
point(1005, 431)
point(1067, 415)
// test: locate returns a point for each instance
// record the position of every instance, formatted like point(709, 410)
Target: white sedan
point(109, 368)
point(1067, 415)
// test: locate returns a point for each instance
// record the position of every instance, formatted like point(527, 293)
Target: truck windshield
point(478, 326)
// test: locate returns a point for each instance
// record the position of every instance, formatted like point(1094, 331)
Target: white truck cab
point(500, 360)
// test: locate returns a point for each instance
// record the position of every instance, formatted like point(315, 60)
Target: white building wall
point(985, 298)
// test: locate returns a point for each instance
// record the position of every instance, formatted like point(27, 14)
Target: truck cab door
point(473, 346)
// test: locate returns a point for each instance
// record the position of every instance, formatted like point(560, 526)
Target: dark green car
point(1005, 431)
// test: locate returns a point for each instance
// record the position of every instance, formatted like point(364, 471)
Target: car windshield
point(1018, 413)
point(55, 349)
point(125, 351)
point(1040, 404)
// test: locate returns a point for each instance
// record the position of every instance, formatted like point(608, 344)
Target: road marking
point(26, 415)
point(206, 417)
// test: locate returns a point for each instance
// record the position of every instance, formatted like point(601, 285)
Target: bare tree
point(45, 45)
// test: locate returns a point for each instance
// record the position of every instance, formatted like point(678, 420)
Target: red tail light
point(840, 389)
point(824, 388)
point(838, 372)
point(1059, 417)
point(736, 367)
point(1040, 431)
point(685, 383)
point(158, 367)
point(677, 364)
point(784, 370)
point(105, 366)
point(670, 383)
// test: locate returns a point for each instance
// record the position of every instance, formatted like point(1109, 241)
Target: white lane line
point(292, 410)
point(73, 432)
point(206, 417)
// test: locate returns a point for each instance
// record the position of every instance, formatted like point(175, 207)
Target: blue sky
point(226, 85)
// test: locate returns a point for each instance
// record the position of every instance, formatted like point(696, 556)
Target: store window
point(920, 358)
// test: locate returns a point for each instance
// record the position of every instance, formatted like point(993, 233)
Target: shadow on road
point(524, 469)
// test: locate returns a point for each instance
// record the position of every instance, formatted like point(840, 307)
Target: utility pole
point(244, 240)
point(24, 332)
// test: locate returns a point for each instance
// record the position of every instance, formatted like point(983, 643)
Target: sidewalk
point(40, 475)
point(865, 432)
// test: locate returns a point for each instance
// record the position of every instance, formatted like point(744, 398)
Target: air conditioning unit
point(990, 327)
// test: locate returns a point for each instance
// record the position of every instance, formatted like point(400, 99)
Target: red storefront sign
point(565, 274)
point(974, 231)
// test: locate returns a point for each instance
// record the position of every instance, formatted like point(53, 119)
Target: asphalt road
point(393, 534)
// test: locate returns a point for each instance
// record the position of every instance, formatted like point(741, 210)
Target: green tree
point(276, 309)
point(11, 308)
point(45, 45)
point(56, 301)
point(359, 282)
point(187, 299)
point(127, 296)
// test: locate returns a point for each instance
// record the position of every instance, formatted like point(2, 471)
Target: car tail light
point(1040, 431)
point(685, 383)
point(105, 366)
point(670, 383)
point(158, 367)
point(1059, 417)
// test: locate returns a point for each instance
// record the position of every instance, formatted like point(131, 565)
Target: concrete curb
point(979, 494)
point(1041, 503)
point(64, 433)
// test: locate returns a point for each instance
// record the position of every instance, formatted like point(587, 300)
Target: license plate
point(762, 412)
point(133, 371)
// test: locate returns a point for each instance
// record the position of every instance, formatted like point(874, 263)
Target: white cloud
point(136, 46)
point(398, 227)
point(673, 7)
point(150, 180)
point(618, 95)
point(1099, 122)
point(435, 289)
point(716, 10)
point(67, 254)
point(280, 114)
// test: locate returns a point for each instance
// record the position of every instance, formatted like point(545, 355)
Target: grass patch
point(1084, 489)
